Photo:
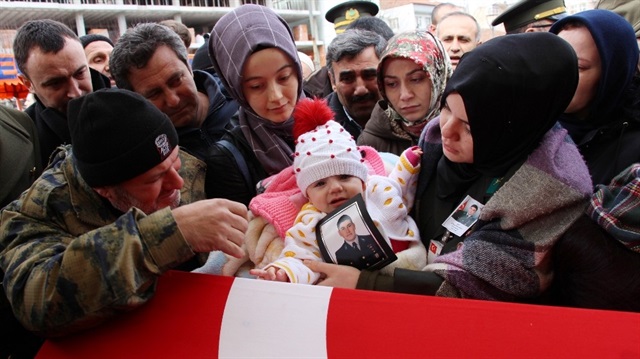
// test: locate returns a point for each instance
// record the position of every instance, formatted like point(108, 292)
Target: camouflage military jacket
point(71, 260)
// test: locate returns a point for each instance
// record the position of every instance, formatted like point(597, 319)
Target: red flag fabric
point(202, 316)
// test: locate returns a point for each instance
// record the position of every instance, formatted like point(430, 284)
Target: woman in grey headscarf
point(254, 53)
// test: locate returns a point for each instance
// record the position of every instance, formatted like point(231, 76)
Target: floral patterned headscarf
point(425, 50)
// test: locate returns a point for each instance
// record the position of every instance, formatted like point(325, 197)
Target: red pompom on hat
point(309, 114)
point(323, 147)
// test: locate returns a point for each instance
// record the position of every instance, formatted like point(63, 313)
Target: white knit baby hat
point(323, 147)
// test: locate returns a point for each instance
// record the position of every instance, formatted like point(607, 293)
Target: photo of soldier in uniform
point(348, 236)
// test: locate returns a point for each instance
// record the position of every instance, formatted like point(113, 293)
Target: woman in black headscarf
point(496, 142)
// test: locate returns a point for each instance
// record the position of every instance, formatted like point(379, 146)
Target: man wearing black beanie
point(113, 212)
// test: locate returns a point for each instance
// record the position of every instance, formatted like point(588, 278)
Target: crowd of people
point(131, 163)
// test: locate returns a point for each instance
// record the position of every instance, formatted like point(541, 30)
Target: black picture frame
point(376, 252)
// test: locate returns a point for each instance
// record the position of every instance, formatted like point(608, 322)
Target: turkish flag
point(203, 316)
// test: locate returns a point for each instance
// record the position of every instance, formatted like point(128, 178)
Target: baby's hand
point(413, 155)
point(271, 273)
point(417, 150)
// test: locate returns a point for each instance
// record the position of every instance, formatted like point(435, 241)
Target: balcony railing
point(291, 4)
point(276, 4)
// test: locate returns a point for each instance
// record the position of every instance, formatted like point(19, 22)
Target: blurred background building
point(306, 18)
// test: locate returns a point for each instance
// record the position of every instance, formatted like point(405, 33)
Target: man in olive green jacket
point(19, 154)
point(124, 205)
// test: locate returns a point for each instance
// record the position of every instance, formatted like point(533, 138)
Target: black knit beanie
point(87, 39)
point(117, 135)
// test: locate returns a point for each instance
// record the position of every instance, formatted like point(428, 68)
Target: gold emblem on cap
point(546, 14)
point(351, 14)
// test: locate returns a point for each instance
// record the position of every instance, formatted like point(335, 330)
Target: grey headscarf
point(234, 38)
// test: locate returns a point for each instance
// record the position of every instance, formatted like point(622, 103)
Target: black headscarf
point(513, 87)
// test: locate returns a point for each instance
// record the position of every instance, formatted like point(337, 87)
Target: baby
point(329, 170)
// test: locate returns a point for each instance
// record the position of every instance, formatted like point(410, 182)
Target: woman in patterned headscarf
point(412, 75)
point(254, 53)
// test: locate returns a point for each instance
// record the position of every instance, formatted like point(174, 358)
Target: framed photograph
point(464, 216)
point(349, 236)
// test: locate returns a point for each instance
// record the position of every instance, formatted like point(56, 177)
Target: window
point(394, 24)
